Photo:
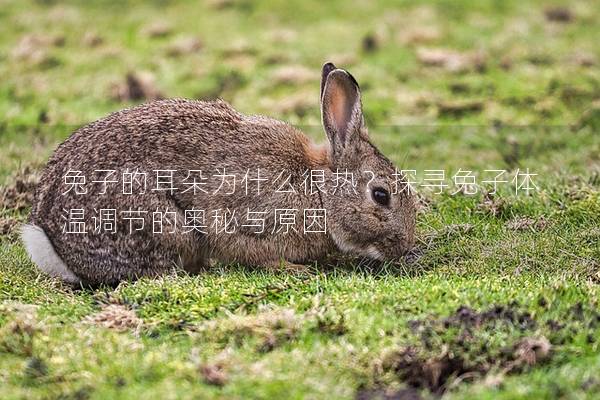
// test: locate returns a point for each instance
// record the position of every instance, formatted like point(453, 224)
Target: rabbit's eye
point(381, 196)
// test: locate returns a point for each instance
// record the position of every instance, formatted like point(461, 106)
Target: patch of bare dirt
point(213, 374)
point(293, 75)
point(184, 46)
point(299, 104)
point(239, 48)
point(438, 367)
point(531, 351)
point(283, 35)
point(456, 348)
point(492, 205)
point(424, 373)
point(452, 60)
point(18, 193)
point(371, 42)
point(157, 29)
point(117, 317)
point(136, 86)
point(215, 370)
point(419, 35)
point(467, 317)
point(91, 39)
point(559, 14)
point(527, 224)
point(506, 62)
point(584, 59)
point(439, 373)
point(35, 48)
point(458, 108)
point(221, 4)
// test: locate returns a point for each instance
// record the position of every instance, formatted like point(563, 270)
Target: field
point(500, 298)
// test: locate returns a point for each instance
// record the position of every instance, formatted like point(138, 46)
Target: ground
point(500, 297)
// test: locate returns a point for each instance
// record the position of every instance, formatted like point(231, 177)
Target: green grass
point(342, 330)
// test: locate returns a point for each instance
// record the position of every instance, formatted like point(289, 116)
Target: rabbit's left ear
point(341, 109)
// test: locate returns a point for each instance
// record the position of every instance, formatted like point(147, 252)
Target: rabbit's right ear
point(341, 110)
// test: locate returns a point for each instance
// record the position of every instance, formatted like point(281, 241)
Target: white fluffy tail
point(42, 253)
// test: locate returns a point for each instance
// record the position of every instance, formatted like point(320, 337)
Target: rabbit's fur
point(211, 136)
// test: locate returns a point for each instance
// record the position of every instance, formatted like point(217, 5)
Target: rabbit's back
point(177, 131)
point(180, 135)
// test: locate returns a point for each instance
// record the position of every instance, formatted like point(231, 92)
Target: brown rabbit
point(182, 138)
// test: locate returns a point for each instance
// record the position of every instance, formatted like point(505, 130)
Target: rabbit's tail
point(42, 253)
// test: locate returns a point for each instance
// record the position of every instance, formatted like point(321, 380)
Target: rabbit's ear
point(327, 68)
point(341, 109)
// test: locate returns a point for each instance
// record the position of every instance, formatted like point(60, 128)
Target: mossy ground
point(446, 85)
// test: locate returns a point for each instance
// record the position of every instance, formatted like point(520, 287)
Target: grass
point(502, 301)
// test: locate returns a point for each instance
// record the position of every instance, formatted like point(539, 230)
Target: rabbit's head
point(373, 216)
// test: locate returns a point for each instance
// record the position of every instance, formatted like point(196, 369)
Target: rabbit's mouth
point(369, 251)
point(345, 245)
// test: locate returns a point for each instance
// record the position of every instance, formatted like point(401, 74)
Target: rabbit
point(211, 137)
